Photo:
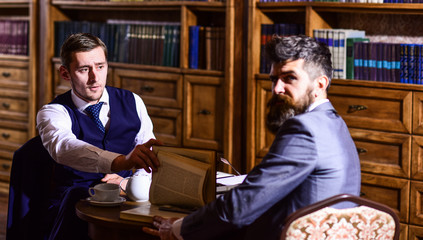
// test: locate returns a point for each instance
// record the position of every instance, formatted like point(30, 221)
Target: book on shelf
point(351, 56)
point(194, 39)
point(186, 179)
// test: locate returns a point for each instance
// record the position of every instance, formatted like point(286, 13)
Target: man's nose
point(279, 87)
point(92, 74)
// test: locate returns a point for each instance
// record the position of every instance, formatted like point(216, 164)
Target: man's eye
point(83, 69)
point(100, 67)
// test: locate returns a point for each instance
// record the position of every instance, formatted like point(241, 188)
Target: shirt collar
point(317, 103)
point(82, 104)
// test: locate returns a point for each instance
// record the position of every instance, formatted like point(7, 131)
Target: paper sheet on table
point(235, 180)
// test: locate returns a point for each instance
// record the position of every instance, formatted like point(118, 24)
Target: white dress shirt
point(55, 128)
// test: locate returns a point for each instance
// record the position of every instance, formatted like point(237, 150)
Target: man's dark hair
point(79, 42)
point(316, 55)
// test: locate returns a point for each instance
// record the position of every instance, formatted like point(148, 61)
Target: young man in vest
point(94, 133)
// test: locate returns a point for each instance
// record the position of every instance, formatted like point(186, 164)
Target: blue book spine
point(193, 46)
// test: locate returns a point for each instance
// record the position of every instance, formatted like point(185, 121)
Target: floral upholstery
point(361, 222)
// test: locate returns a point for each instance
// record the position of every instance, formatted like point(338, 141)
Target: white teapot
point(137, 187)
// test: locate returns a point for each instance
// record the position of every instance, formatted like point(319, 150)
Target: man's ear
point(321, 84)
point(64, 73)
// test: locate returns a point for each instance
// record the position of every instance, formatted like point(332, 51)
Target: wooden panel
point(5, 167)
point(415, 232)
point(167, 125)
point(417, 159)
point(418, 113)
point(155, 88)
point(416, 203)
point(371, 108)
point(264, 137)
point(204, 108)
point(393, 192)
point(382, 152)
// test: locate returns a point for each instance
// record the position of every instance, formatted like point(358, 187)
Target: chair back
point(369, 220)
point(30, 181)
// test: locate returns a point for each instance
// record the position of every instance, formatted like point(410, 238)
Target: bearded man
point(313, 156)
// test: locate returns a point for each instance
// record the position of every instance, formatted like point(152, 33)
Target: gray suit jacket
point(313, 157)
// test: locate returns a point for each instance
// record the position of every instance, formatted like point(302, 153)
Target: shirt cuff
point(108, 157)
point(176, 228)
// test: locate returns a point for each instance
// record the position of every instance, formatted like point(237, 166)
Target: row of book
point(14, 36)
point(336, 40)
point(281, 29)
point(388, 62)
point(207, 48)
point(138, 42)
point(349, 1)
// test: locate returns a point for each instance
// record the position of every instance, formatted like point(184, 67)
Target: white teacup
point(138, 187)
point(104, 192)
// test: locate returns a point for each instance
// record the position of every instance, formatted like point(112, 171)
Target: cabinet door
point(393, 192)
point(204, 107)
point(383, 152)
point(264, 137)
point(167, 125)
point(372, 108)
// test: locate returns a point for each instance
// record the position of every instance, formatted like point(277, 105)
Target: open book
point(186, 179)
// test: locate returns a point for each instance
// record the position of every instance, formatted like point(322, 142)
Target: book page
point(179, 181)
point(202, 155)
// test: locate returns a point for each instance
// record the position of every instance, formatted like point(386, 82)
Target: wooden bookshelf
point(174, 95)
point(17, 86)
point(387, 132)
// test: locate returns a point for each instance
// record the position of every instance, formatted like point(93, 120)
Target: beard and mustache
point(283, 107)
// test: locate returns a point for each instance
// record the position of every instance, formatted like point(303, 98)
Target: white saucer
point(119, 201)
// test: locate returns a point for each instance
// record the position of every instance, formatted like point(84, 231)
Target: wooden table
point(104, 222)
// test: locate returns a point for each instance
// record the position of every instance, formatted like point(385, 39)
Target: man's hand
point(112, 178)
point(140, 157)
point(164, 228)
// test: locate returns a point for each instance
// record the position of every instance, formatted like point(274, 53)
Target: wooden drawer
point(393, 192)
point(13, 136)
point(5, 167)
point(14, 77)
point(167, 125)
point(155, 88)
point(372, 108)
point(264, 137)
point(14, 108)
point(204, 112)
point(418, 113)
point(382, 152)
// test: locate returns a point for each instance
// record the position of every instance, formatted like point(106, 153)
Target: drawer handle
point(5, 135)
point(361, 150)
point(204, 112)
point(5, 166)
point(355, 108)
point(147, 89)
point(6, 105)
point(6, 74)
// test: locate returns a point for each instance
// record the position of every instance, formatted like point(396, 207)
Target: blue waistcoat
point(124, 126)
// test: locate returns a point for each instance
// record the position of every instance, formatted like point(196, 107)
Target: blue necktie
point(94, 111)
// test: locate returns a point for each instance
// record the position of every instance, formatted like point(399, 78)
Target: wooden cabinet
point(17, 87)
point(189, 107)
